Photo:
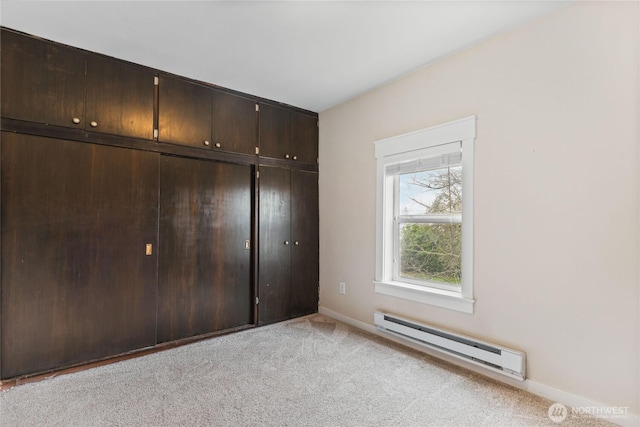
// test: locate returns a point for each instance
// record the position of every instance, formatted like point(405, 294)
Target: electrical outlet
point(343, 288)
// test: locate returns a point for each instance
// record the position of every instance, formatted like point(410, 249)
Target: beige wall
point(557, 195)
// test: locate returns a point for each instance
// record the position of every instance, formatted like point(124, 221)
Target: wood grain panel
point(120, 97)
point(274, 256)
point(304, 137)
point(76, 283)
point(234, 123)
point(41, 81)
point(205, 270)
point(184, 112)
point(304, 232)
point(274, 131)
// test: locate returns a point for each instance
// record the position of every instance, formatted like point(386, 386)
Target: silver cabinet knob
point(286, 242)
point(295, 157)
point(296, 243)
point(206, 143)
point(94, 124)
point(218, 145)
point(286, 156)
point(76, 120)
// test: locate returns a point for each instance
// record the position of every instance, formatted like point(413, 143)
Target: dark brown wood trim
point(59, 132)
point(287, 164)
point(156, 106)
point(254, 238)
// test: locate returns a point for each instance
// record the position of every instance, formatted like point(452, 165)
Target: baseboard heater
point(498, 359)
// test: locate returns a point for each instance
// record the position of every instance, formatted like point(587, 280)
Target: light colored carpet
point(312, 371)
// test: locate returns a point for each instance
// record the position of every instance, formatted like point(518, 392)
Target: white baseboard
point(570, 400)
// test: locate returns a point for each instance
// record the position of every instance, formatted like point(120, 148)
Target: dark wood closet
point(140, 208)
point(77, 284)
point(288, 243)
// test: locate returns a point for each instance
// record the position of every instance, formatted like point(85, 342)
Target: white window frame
point(412, 146)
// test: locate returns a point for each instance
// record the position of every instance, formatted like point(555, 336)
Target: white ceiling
point(313, 55)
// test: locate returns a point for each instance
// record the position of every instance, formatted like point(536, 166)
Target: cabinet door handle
point(286, 156)
point(218, 145)
point(286, 242)
point(296, 243)
point(295, 157)
point(76, 120)
point(94, 124)
point(206, 143)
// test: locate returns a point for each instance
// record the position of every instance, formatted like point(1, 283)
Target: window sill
point(437, 297)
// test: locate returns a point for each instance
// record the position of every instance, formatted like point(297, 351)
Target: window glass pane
point(437, 191)
point(431, 252)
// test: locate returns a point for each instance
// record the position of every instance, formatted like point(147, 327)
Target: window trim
point(408, 147)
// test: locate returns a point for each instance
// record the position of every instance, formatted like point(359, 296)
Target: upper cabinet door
point(274, 132)
point(234, 123)
point(120, 98)
point(184, 113)
point(304, 137)
point(41, 81)
point(288, 135)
